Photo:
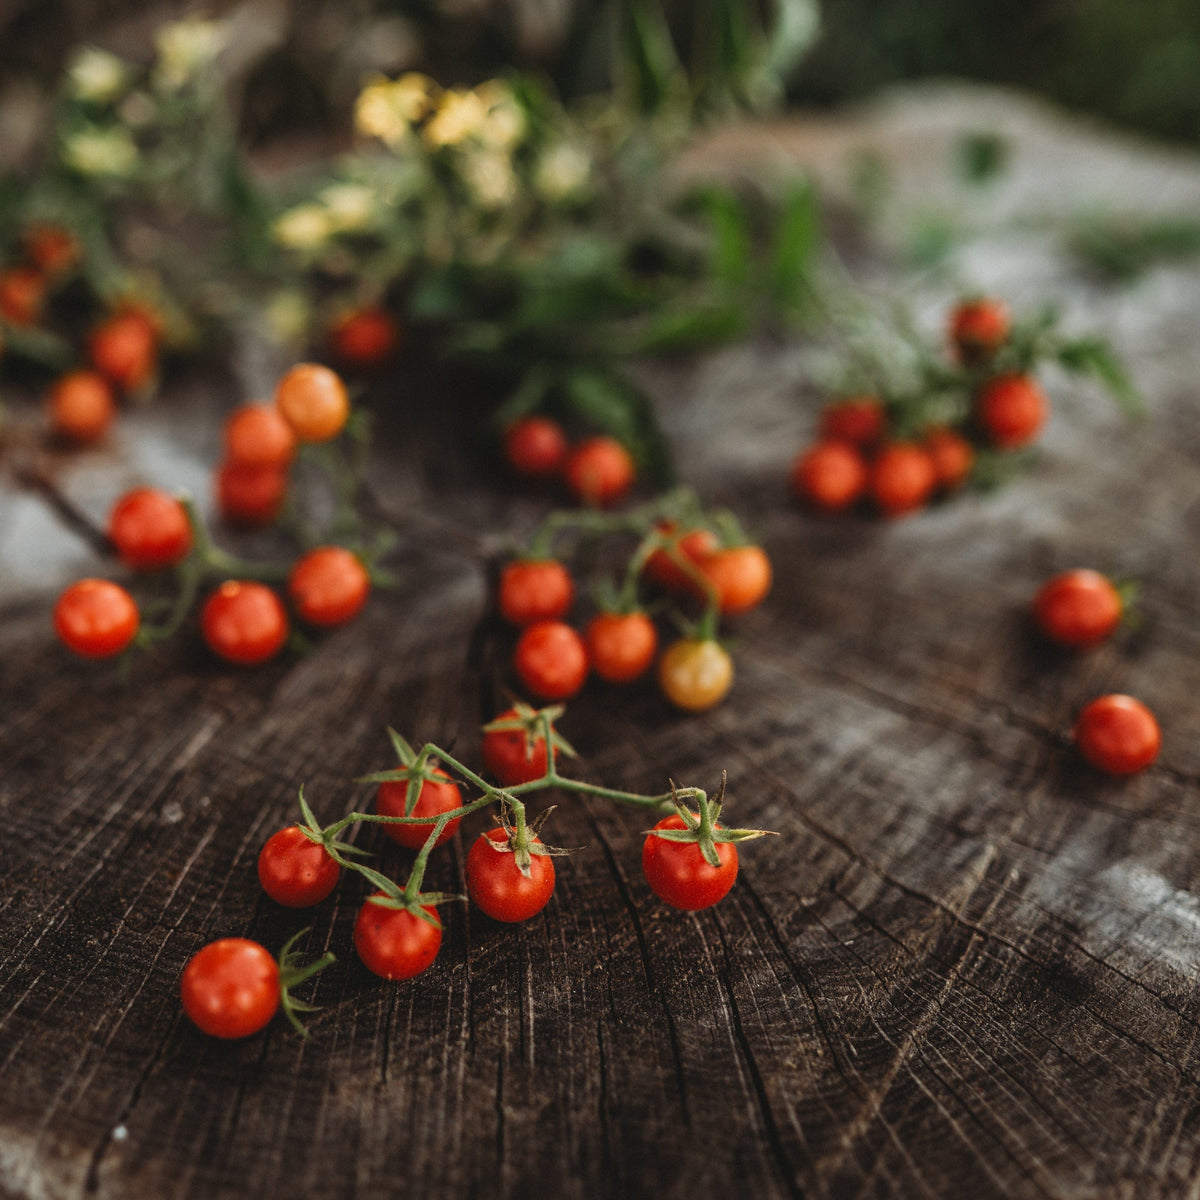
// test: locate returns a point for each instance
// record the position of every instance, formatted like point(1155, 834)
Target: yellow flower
point(286, 316)
point(460, 114)
point(304, 227)
point(185, 48)
point(562, 173)
point(349, 205)
point(505, 124)
point(388, 109)
point(96, 76)
point(101, 152)
point(490, 177)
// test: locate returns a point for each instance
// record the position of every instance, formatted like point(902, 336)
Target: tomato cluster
point(243, 621)
point(597, 471)
point(674, 548)
point(233, 987)
point(896, 454)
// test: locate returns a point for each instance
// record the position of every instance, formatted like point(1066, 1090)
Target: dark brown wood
point(967, 968)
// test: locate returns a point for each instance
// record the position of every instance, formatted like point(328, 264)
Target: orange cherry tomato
point(861, 421)
point(535, 447)
point(953, 457)
point(124, 349)
point(1078, 608)
point(551, 660)
point(1118, 734)
point(599, 471)
point(695, 673)
point(740, 577)
point(365, 337)
point(22, 294)
point(96, 618)
point(978, 328)
point(902, 478)
point(250, 496)
point(256, 435)
point(244, 623)
point(621, 646)
point(81, 406)
point(150, 529)
point(313, 401)
point(1011, 410)
point(328, 586)
point(534, 590)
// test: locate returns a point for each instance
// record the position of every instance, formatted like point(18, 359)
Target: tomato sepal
point(293, 971)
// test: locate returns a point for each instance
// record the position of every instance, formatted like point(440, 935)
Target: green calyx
point(535, 724)
point(293, 971)
point(521, 835)
point(701, 826)
point(314, 831)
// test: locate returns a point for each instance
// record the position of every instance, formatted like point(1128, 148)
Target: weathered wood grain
point(967, 968)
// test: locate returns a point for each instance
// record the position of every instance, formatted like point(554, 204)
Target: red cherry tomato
point(830, 476)
point(740, 576)
point(1118, 734)
point(124, 349)
point(328, 586)
point(511, 755)
point(81, 406)
point(695, 673)
point(230, 989)
point(535, 447)
point(96, 618)
point(392, 942)
point(244, 623)
point(902, 478)
point(51, 248)
point(691, 545)
point(296, 871)
point(534, 590)
point(436, 796)
point(621, 646)
point(257, 436)
point(496, 885)
point(861, 421)
point(953, 457)
point(250, 496)
point(364, 338)
point(678, 872)
point(978, 328)
point(551, 660)
point(599, 471)
point(150, 529)
point(22, 294)
point(1078, 608)
point(313, 401)
point(1011, 410)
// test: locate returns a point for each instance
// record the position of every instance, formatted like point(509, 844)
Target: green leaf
point(731, 254)
point(649, 65)
point(794, 253)
point(1091, 356)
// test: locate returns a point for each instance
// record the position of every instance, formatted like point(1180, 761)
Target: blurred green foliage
point(1135, 62)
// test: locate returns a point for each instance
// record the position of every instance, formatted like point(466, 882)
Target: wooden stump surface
point(966, 968)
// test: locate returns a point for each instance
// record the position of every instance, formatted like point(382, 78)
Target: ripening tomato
point(150, 529)
point(978, 328)
point(295, 870)
point(534, 590)
point(831, 476)
point(515, 755)
point(365, 337)
point(695, 673)
point(244, 622)
point(1118, 734)
point(250, 496)
point(953, 457)
point(230, 989)
point(51, 248)
point(1011, 410)
point(124, 349)
point(678, 872)
point(437, 796)
point(22, 294)
point(535, 447)
point(495, 883)
point(96, 618)
point(740, 576)
point(599, 471)
point(691, 546)
point(1078, 608)
point(902, 478)
point(861, 421)
point(257, 436)
point(551, 660)
point(393, 942)
point(81, 406)
point(328, 586)
point(313, 401)
point(621, 646)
